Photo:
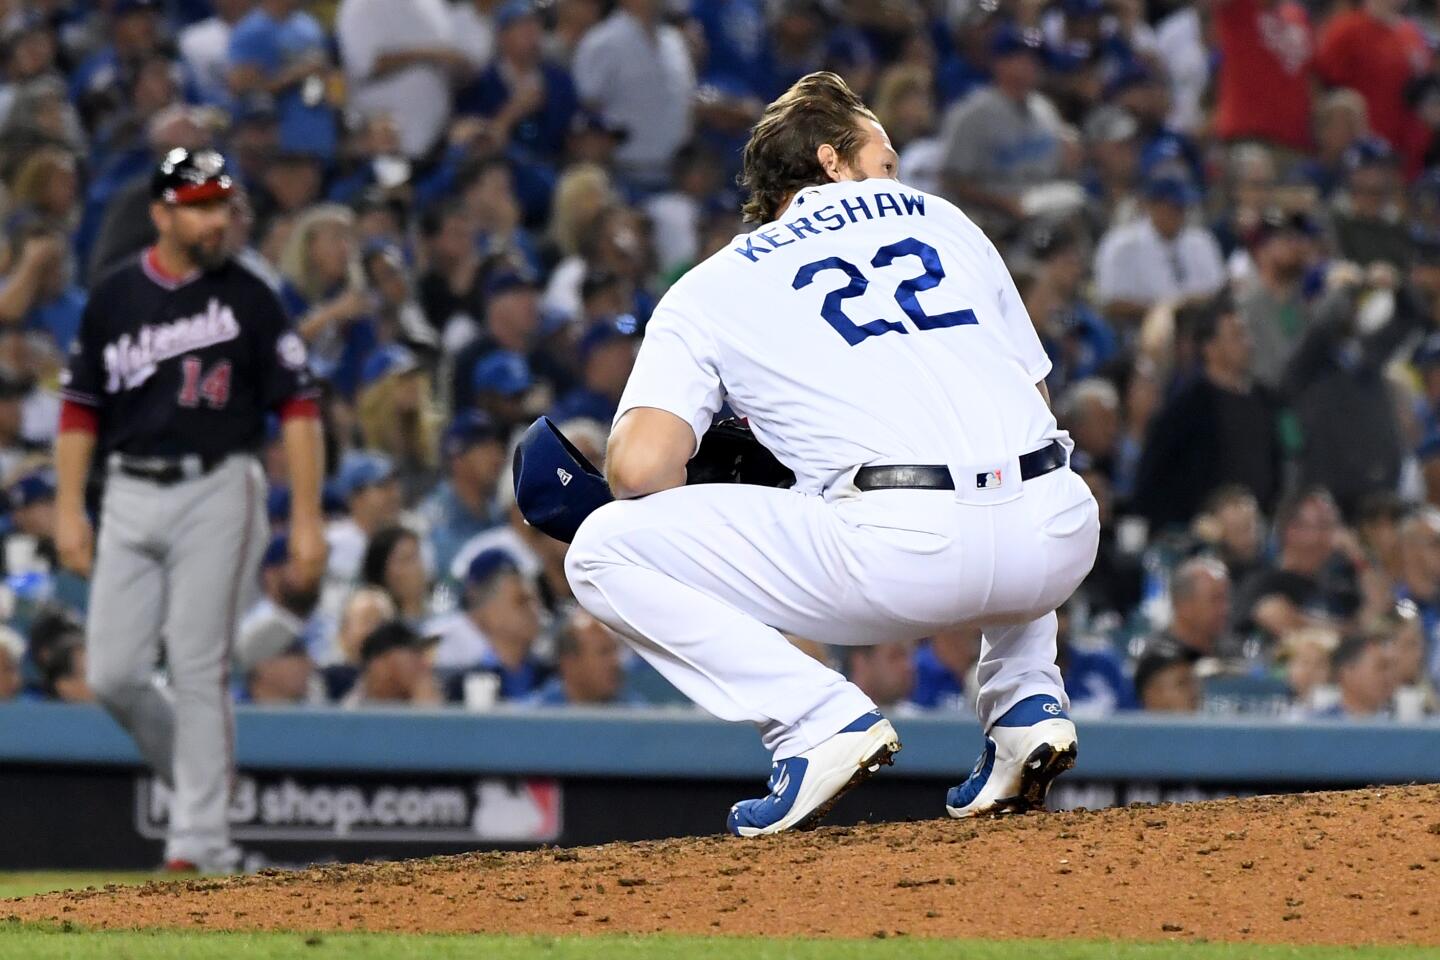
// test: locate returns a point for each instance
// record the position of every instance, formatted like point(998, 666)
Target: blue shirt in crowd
point(261, 41)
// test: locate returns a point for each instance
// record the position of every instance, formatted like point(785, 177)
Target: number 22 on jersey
point(833, 308)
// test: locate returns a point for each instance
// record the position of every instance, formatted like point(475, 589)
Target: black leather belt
point(937, 477)
point(166, 471)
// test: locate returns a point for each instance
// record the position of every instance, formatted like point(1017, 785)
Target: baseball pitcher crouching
point(179, 358)
point(876, 344)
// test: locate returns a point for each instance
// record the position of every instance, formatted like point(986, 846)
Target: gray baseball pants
point(178, 563)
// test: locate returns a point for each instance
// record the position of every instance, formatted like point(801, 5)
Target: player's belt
point(924, 476)
point(165, 471)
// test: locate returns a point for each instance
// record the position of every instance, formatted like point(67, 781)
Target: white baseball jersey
point(870, 323)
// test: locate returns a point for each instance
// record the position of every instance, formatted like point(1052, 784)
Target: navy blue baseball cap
point(34, 487)
point(469, 428)
point(504, 281)
point(622, 327)
point(490, 563)
point(556, 488)
point(1171, 189)
point(360, 469)
point(277, 551)
point(1368, 152)
point(1084, 8)
point(388, 361)
point(1009, 39)
point(504, 372)
point(513, 12)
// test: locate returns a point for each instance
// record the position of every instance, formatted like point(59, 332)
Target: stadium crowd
point(1224, 218)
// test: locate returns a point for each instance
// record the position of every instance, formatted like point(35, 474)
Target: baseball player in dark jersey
point(180, 357)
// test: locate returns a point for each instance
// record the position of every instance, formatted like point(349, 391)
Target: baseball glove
point(729, 453)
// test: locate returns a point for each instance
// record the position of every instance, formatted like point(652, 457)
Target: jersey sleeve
point(283, 368)
point(677, 371)
point(1019, 328)
point(83, 379)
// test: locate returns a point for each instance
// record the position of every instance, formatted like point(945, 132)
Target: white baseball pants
point(701, 580)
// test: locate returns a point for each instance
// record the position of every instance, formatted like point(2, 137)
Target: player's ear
point(158, 214)
point(829, 159)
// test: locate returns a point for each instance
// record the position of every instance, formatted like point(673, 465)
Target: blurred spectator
point(97, 84)
point(1263, 45)
point(398, 316)
point(393, 669)
point(1376, 51)
point(463, 504)
point(1273, 304)
point(393, 562)
point(274, 665)
point(1165, 680)
point(1339, 394)
point(1252, 186)
point(494, 632)
point(1077, 339)
point(38, 292)
point(15, 450)
point(1414, 691)
point(1113, 587)
point(1094, 675)
point(528, 101)
point(397, 418)
point(1221, 428)
point(281, 50)
point(1112, 140)
point(1365, 675)
point(400, 62)
point(1419, 575)
point(678, 214)
point(1366, 215)
point(371, 490)
point(1159, 258)
point(942, 669)
point(607, 355)
point(325, 292)
point(1200, 603)
point(12, 652)
point(512, 319)
point(1340, 120)
point(1306, 654)
point(1003, 139)
point(364, 610)
point(205, 48)
point(905, 105)
point(62, 675)
point(589, 668)
point(884, 672)
point(1090, 410)
point(1377, 524)
point(636, 71)
point(450, 289)
point(280, 602)
point(1230, 527)
point(1312, 584)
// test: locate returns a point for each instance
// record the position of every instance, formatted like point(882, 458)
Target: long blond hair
point(295, 256)
point(581, 194)
point(408, 441)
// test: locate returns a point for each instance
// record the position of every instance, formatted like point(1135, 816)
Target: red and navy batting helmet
point(191, 176)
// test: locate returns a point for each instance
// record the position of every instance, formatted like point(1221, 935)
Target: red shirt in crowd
point(1377, 59)
point(1265, 52)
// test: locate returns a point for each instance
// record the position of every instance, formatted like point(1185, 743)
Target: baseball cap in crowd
point(512, 12)
point(388, 361)
point(513, 278)
point(393, 635)
point(274, 633)
point(1169, 188)
point(592, 121)
point(1084, 8)
point(1009, 39)
point(1110, 124)
point(191, 176)
point(504, 372)
point(469, 428)
point(1157, 656)
point(1368, 152)
point(34, 487)
point(277, 551)
point(601, 332)
point(360, 469)
point(488, 564)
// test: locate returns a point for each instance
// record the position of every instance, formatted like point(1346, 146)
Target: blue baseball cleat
point(803, 788)
point(1026, 749)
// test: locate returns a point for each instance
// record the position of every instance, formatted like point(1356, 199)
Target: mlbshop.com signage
point(316, 808)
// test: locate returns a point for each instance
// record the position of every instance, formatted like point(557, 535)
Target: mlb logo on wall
point(988, 480)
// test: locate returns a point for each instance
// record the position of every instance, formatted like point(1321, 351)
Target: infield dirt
point(1337, 868)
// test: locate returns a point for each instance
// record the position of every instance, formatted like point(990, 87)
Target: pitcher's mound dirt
point(1354, 867)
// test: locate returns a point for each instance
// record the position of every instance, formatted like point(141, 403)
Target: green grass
point(33, 943)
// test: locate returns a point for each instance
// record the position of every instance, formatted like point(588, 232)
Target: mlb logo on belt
point(988, 480)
